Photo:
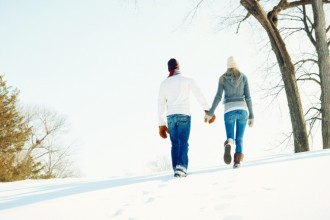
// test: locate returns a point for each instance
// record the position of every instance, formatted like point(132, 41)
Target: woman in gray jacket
point(237, 109)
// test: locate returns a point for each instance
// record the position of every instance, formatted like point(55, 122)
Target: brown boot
point(238, 158)
point(227, 156)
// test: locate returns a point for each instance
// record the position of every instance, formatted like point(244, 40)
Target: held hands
point(209, 119)
point(162, 131)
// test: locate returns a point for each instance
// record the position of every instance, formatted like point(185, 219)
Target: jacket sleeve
point(161, 107)
point(217, 99)
point(199, 95)
point(248, 99)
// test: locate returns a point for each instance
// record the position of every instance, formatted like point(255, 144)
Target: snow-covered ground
point(292, 187)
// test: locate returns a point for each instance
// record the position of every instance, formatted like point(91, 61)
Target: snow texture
point(279, 187)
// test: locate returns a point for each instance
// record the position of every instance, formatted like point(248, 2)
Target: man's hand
point(162, 131)
point(212, 119)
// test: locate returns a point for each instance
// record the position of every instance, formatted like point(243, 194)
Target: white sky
point(99, 63)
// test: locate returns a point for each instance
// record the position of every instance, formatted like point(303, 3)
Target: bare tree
point(310, 68)
point(298, 25)
point(324, 67)
point(269, 23)
point(45, 144)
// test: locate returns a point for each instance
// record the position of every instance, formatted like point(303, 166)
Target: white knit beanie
point(231, 63)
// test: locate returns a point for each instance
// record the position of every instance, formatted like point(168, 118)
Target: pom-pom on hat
point(231, 63)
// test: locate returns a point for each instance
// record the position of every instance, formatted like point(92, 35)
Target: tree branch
point(193, 11)
point(300, 63)
point(302, 78)
point(300, 3)
point(239, 24)
point(308, 32)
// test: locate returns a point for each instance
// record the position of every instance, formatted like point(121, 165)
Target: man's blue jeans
point(179, 128)
point(239, 117)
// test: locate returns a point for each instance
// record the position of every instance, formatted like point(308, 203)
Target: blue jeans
point(179, 128)
point(239, 117)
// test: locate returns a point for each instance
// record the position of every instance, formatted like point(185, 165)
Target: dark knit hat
point(172, 64)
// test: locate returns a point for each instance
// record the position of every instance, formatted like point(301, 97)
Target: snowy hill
point(293, 187)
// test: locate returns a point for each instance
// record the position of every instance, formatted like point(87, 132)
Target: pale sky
point(100, 63)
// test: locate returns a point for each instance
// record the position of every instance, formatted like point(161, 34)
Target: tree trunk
point(288, 74)
point(324, 68)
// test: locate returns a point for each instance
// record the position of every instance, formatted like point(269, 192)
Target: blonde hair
point(234, 72)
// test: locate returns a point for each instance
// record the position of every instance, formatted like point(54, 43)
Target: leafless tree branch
point(192, 13)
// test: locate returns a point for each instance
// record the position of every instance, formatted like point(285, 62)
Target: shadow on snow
point(44, 193)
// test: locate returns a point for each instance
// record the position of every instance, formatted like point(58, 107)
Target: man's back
point(176, 90)
point(175, 94)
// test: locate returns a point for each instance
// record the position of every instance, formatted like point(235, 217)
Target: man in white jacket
point(174, 98)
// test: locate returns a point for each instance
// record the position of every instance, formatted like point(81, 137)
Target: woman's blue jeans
point(238, 117)
point(179, 128)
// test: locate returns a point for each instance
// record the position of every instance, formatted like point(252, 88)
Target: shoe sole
point(236, 165)
point(227, 156)
point(180, 173)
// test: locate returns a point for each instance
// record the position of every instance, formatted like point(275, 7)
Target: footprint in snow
point(149, 200)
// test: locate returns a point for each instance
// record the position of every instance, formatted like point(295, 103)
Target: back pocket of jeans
point(183, 122)
point(243, 115)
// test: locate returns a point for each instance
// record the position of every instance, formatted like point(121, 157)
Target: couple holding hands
point(174, 96)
